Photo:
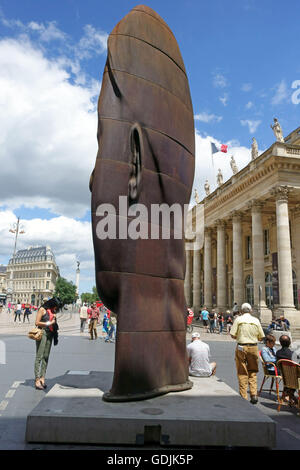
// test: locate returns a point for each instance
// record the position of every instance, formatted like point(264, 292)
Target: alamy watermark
point(160, 221)
point(296, 94)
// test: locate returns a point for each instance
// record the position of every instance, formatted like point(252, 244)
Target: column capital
point(255, 205)
point(280, 193)
point(236, 216)
point(220, 223)
point(208, 231)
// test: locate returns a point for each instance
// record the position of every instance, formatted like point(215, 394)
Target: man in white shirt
point(198, 355)
point(83, 317)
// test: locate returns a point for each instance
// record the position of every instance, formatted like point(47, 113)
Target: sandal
point(39, 387)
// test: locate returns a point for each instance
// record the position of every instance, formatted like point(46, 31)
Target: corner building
point(34, 273)
point(251, 242)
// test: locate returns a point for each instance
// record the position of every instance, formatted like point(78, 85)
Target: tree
point(65, 290)
point(90, 297)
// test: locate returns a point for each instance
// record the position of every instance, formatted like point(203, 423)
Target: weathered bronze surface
point(146, 152)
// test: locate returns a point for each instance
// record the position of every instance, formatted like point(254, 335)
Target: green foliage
point(90, 297)
point(65, 290)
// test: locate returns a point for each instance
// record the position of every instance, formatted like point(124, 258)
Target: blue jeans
point(112, 331)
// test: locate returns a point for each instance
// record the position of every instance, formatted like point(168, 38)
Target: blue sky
point(241, 56)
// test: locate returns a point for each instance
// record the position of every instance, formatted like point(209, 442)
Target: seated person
point(286, 353)
point(283, 322)
point(198, 355)
point(268, 353)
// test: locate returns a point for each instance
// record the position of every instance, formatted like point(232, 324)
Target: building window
point(249, 290)
point(269, 290)
point(47, 284)
point(266, 242)
point(248, 247)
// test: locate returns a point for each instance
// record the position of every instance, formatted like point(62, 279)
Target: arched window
point(295, 290)
point(249, 290)
point(269, 290)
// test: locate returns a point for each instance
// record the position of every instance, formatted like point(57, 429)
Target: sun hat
point(196, 335)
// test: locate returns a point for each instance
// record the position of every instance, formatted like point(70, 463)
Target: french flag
point(215, 149)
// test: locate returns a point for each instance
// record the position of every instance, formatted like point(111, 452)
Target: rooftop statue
point(233, 166)
point(254, 149)
point(196, 197)
point(146, 152)
point(220, 177)
point(277, 130)
point(207, 188)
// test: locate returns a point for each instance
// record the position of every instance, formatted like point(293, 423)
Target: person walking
point(204, 315)
point(27, 312)
point(211, 318)
point(247, 331)
point(229, 321)
point(18, 311)
point(83, 317)
point(93, 314)
point(45, 319)
point(112, 322)
point(221, 322)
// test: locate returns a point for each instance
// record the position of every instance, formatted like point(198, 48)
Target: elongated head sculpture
point(146, 156)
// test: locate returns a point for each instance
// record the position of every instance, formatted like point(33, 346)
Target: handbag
point(36, 333)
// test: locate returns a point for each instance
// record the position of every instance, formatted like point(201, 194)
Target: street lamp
point(17, 229)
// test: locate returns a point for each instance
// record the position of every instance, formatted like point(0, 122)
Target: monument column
point(196, 279)
point(237, 245)
point(207, 269)
point(286, 298)
point(221, 266)
point(187, 280)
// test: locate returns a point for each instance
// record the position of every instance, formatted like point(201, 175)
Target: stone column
point(259, 289)
point(296, 241)
point(187, 280)
point(285, 276)
point(196, 280)
point(221, 267)
point(207, 269)
point(237, 245)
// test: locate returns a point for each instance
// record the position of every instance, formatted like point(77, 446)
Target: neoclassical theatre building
point(251, 243)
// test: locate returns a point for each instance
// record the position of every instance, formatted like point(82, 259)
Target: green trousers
point(43, 348)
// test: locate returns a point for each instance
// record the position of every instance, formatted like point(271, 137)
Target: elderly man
point(198, 355)
point(247, 331)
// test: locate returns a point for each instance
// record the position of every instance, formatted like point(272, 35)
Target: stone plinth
point(210, 414)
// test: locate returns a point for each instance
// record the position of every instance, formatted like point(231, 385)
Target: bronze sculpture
point(146, 153)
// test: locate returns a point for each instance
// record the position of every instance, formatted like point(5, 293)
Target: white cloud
point(224, 99)
point(47, 133)
point(253, 125)
point(249, 105)
point(219, 80)
point(207, 167)
point(92, 42)
point(246, 87)
point(205, 117)
point(48, 32)
point(281, 93)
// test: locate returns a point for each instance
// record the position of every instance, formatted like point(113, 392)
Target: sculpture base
point(209, 414)
point(108, 396)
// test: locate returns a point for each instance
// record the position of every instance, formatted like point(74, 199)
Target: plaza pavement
point(75, 352)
